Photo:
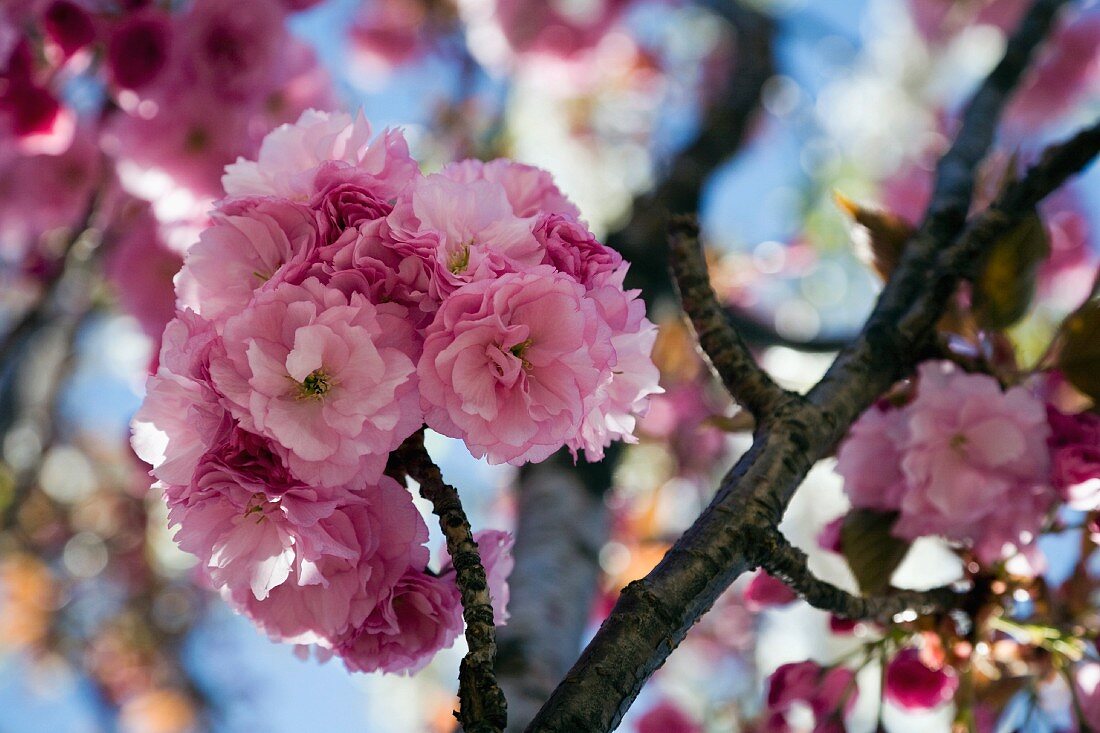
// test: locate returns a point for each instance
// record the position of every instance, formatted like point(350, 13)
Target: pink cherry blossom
point(509, 364)
point(252, 243)
point(230, 48)
point(291, 155)
point(341, 564)
point(1075, 457)
point(573, 249)
point(69, 26)
point(530, 190)
point(628, 381)
point(764, 591)
point(463, 232)
point(327, 377)
point(388, 33)
point(422, 615)
point(870, 461)
point(557, 30)
point(181, 416)
point(1067, 72)
point(972, 457)
point(975, 462)
point(912, 685)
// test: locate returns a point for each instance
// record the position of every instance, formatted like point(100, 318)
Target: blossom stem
point(483, 708)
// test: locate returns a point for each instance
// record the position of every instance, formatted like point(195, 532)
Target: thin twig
point(482, 705)
point(728, 354)
point(775, 554)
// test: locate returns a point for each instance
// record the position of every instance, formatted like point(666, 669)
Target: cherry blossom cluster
point(339, 301)
point(972, 462)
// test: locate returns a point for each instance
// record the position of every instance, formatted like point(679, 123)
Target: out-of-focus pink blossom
point(37, 119)
point(138, 48)
point(559, 30)
point(69, 26)
point(1075, 457)
point(230, 47)
point(666, 717)
point(1067, 72)
point(973, 461)
point(829, 695)
point(510, 363)
point(764, 592)
point(388, 33)
point(1087, 680)
point(326, 376)
point(140, 266)
point(937, 20)
point(841, 626)
point(422, 615)
point(43, 192)
point(829, 536)
point(911, 685)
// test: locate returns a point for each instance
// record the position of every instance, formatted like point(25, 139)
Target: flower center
point(958, 442)
point(460, 260)
point(315, 386)
point(518, 351)
point(257, 505)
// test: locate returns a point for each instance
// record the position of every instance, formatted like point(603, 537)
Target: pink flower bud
point(764, 591)
point(138, 50)
point(913, 686)
point(69, 26)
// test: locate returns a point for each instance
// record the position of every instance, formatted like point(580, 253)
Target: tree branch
point(775, 554)
point(482, 705)
point(728, 354)
point(562, 525)
point(654, 614)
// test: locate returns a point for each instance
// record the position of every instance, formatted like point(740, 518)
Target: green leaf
point(1079, 357)
point(872, 552)
point(1006, 284)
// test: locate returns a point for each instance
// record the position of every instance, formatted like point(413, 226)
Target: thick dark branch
point(483, 708)
point(781, 559)
point(653, 614)
point(727, 352)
